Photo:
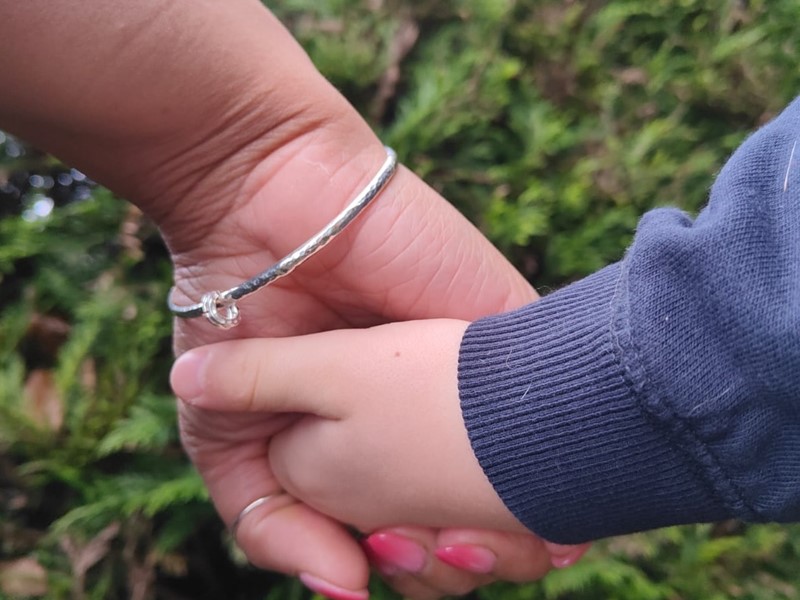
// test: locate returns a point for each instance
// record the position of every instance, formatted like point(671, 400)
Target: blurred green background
point(553, 125)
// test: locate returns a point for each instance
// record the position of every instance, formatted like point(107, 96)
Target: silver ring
point(246, 511)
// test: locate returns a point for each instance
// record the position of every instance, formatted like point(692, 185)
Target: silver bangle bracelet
point(220, 307)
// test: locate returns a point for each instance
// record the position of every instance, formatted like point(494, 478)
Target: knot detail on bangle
point(220, 310)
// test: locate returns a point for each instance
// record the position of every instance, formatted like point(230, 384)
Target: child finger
point(269, 375)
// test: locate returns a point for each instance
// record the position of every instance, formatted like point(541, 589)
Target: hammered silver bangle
point(220, 307)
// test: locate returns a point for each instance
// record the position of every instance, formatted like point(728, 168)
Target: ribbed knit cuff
point(554, 418)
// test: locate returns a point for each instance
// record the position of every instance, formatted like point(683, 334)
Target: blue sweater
point(664, 389)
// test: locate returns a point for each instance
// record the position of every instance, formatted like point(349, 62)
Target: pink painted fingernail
point(476, 559)
point(398, 551)
point(329, 590)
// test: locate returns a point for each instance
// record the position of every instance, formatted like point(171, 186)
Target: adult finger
point(287, 536)
point(464, 559)
point(475, 557)
point(515, 557)
point(279, 533)
point(404, 556)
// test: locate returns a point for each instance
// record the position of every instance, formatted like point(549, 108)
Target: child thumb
point(255, 375)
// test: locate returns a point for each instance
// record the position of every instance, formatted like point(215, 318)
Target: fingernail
point(329, 590)
point(398, 551)
point(561, 562)
point(476, 559)
point(565, 555)
point(187, 374)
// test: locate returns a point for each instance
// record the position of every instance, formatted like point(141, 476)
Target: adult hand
point(239, 150)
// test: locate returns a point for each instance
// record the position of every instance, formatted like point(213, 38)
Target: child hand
point(381, 440)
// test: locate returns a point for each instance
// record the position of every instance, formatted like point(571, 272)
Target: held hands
point(376, 440)
point(409, 256)
point(380, 440)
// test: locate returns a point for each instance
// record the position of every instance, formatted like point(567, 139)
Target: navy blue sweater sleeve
point(664, 389)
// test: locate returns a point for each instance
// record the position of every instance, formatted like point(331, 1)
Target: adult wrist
point(220, 307)
point(282, 194)
point(198, 96)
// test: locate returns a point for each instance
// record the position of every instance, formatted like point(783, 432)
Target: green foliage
point(726, 561)
point(553, 125)
point(86, 418)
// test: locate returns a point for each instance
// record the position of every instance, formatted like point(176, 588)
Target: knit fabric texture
point(664, 389)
